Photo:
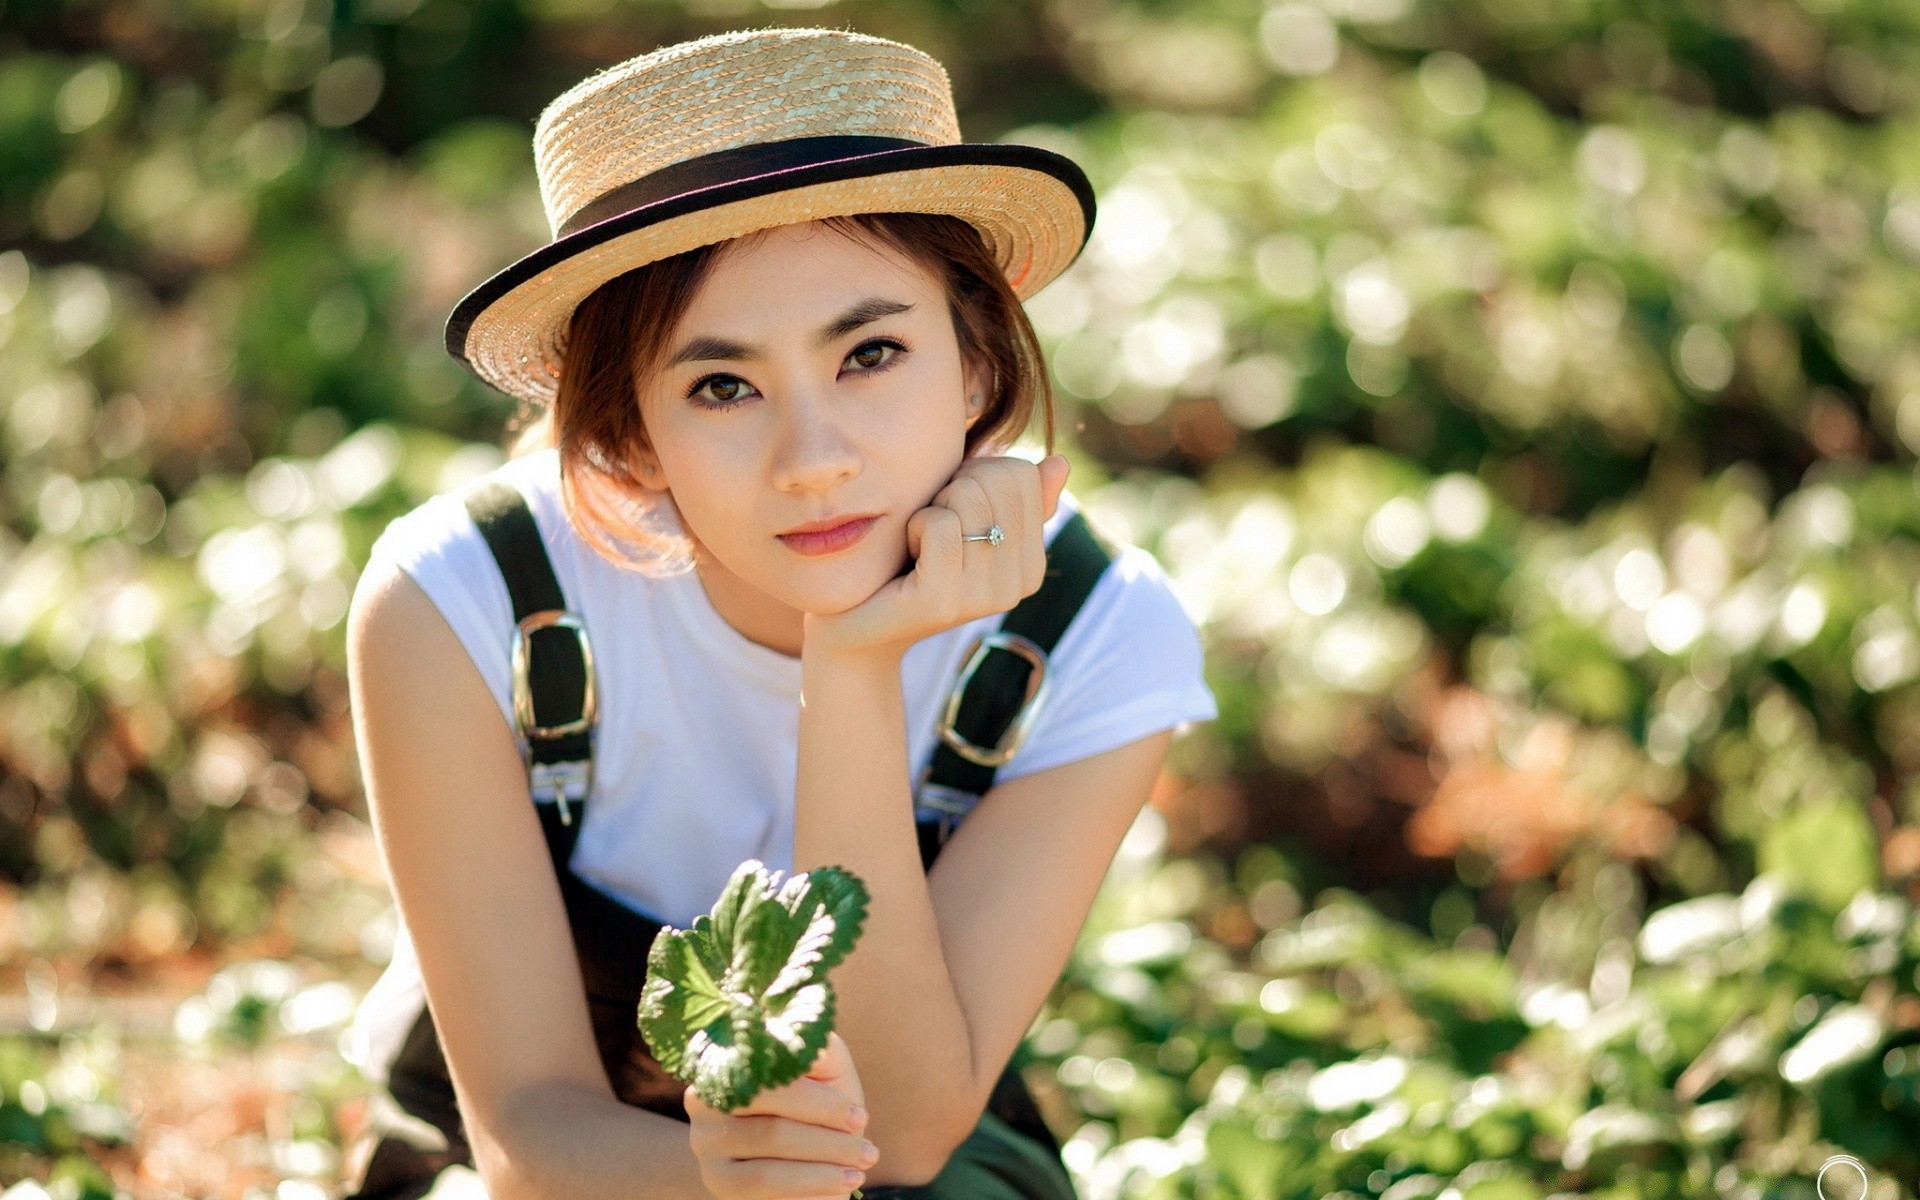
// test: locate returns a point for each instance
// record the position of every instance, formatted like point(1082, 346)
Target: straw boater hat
point(711, 139)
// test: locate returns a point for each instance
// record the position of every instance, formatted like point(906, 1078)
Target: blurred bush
point(1726, 1045)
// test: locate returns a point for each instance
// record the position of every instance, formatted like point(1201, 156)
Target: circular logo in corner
point(1836, 1179)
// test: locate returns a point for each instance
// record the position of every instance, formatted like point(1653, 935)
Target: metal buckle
point(523, 690)
point(996, 756)
point(554, 775)
point(559, 778)
point(950, 804)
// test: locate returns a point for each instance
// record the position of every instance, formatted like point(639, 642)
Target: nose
point(813, 452)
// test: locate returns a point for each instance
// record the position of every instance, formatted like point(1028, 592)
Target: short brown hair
point(618, 333)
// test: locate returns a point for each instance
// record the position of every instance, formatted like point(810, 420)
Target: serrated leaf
point(803, 965)
point(721, 1064)
point(776, 938)
point(795, 1033)
point(750, 882)
point(679, 1000)
point(843, 897)
point(741, 1002)
point(832, 915)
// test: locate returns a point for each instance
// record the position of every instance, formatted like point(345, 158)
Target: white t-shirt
point(697, 742)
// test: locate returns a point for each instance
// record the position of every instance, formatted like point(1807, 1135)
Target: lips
point(829, 523)
point(826, 541)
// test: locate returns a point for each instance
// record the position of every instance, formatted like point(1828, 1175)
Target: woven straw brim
point(1033, 208)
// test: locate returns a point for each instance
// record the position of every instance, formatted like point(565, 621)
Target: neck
point(756, 616)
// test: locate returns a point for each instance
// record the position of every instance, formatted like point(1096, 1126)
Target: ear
point(976, 397)
point(645, 470)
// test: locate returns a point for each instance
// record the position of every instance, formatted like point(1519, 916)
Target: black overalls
point(416, 1131)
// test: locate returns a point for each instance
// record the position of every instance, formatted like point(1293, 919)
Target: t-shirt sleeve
point(1129, 665)
point(440, 549)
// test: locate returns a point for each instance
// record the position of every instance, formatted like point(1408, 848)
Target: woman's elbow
point(915, 1165)
point(919, 1175)
point(502, 1181)
point(500, 1144)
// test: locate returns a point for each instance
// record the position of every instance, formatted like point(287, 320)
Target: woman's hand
point(799, 1142)
point(950, 581)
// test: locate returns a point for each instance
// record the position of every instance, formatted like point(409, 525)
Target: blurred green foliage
point(1522, 394)
point(37, 1124)
point(1725, 1045)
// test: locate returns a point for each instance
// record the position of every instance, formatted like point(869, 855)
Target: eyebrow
point(706, 347)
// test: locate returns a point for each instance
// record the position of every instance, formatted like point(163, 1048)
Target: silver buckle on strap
point(561, 780)
point(523, 689)
point(949, 805)
point(1022, 724)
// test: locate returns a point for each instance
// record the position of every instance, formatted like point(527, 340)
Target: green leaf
point(844, 897)
point(768, 938)
point(741, 1002)
point(679, 998)
point(749, 880)
point(795, 1031)
point(720, 1063)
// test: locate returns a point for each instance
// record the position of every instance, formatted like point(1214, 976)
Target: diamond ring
point(993, 536)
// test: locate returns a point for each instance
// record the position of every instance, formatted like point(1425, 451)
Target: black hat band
point(726, 166)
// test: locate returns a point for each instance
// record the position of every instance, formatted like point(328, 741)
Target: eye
point(721, 391)
point(875, 355)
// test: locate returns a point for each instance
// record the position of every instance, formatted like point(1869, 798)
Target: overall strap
point(554, 697)
point(997, 695)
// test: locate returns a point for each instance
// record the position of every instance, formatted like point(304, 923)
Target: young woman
point(779, 342)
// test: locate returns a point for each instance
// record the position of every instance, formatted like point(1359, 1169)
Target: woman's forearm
point(564, 1140)
point(897, 1007)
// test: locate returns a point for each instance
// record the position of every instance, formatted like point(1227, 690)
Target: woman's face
point(813, 376)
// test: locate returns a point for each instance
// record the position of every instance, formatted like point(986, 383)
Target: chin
point(835, 585)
